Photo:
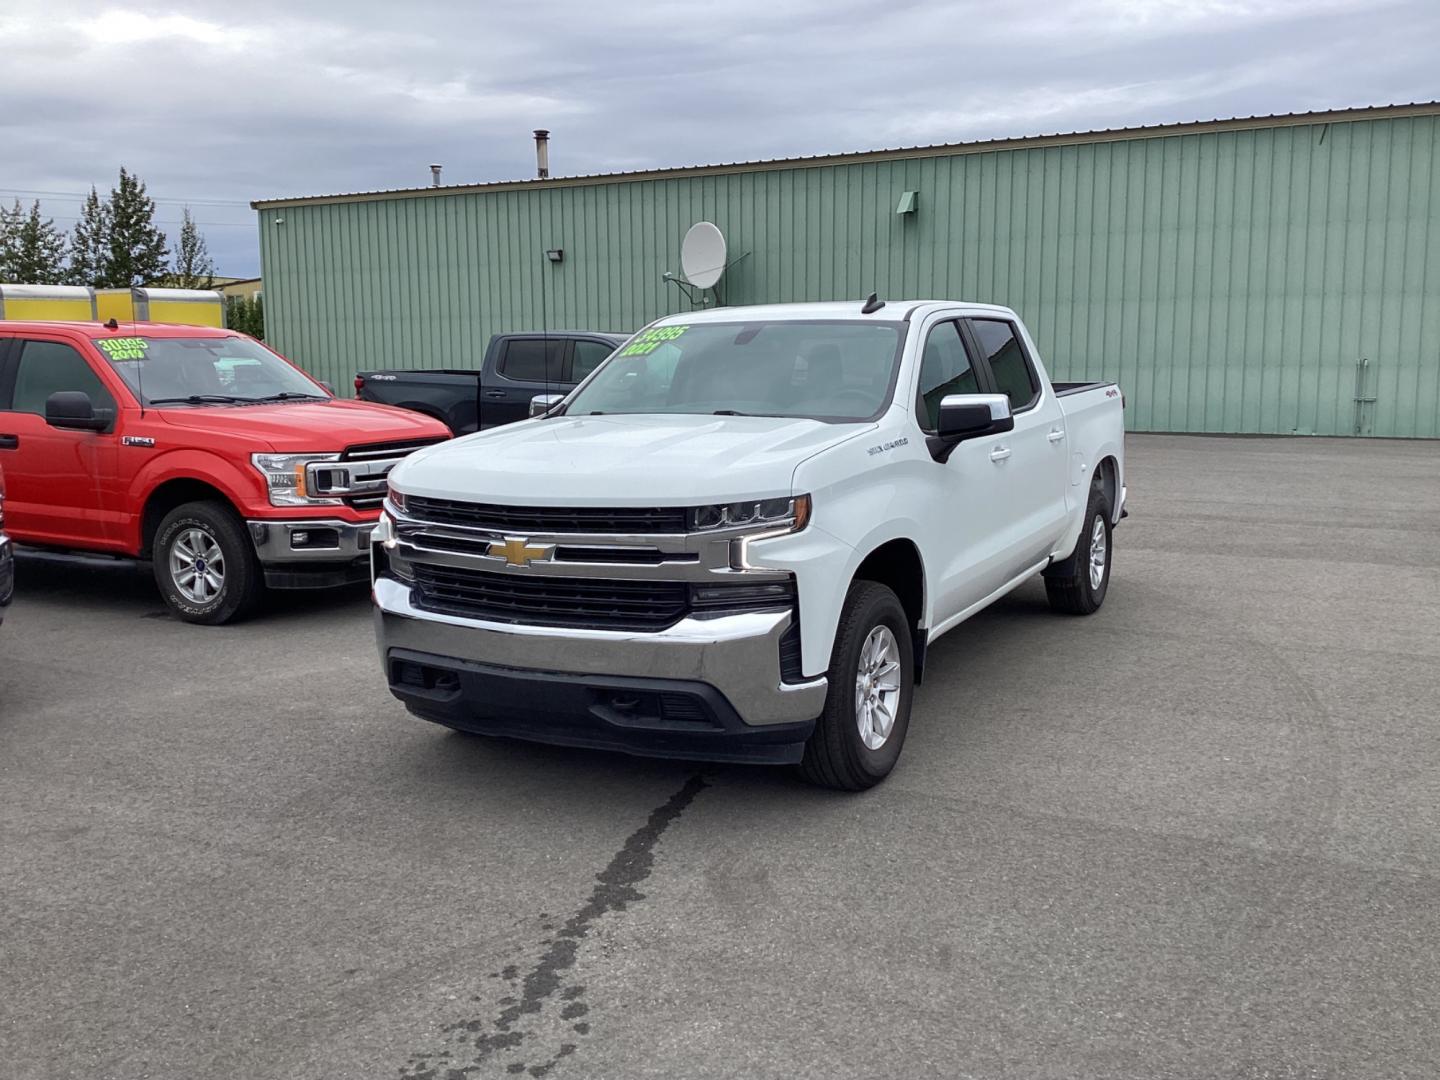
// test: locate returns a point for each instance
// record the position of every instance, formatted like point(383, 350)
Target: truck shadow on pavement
point(98, 584)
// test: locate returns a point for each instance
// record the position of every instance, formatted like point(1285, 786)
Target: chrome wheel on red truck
point(205, 564)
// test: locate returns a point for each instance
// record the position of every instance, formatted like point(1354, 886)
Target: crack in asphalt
point(615, 889)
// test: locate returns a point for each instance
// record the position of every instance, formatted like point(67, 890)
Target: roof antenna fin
point(872, 304)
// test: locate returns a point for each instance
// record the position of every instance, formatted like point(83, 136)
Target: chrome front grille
point(358, 476)
point(550, 601)
point(586, 603)
point(665, 520)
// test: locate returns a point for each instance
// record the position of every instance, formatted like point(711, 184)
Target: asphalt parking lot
point(1196, 835)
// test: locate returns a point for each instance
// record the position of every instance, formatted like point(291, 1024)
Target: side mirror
point(541, 404)
point(71, 409)
point(327, 386)
point(968, 416)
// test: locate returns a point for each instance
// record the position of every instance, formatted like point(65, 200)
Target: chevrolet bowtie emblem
point(517, 551)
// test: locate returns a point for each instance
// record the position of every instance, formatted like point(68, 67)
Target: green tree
point(247, 316)
point(137, 251)
point(38, 250)
point(11, 221)
point(194, 269)
point(90, 242)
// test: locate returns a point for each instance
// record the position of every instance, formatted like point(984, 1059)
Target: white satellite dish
point(702, 255)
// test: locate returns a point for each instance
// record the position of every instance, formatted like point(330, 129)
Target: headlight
point(397, 498)
point(285, 476)
point(763, 514)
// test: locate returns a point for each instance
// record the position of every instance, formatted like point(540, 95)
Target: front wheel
point(205, 565)
point(858, 738)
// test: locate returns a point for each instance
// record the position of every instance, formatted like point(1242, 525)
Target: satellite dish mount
point(703, 262)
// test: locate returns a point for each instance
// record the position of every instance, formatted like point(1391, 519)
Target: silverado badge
point(517, 551)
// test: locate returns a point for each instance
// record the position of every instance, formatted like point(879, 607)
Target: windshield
point(204, 371)
point(826, 370)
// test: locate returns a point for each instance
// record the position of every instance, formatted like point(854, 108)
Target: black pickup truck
point(516, 368)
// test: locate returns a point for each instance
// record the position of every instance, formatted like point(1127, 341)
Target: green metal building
point(1274, 274)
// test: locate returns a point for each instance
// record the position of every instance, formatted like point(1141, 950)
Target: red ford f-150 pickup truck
point(199, 449)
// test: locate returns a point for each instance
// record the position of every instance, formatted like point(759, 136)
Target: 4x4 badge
point(136, 440)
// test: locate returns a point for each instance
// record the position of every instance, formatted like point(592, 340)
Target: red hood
point(304, 426)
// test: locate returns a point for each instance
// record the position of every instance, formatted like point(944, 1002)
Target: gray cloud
point(220, 106)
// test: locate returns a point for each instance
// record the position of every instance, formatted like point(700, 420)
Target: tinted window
point(944, 369)
point(588, 355)
point(47, 367)
point(1001, 346)
point(533, 360)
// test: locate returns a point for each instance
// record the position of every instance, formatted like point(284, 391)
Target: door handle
point(1000, 453)
point(1056, 435)
point(494, 393)
point(9, 442)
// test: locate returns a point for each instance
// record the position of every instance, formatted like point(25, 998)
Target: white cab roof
point(834, 309)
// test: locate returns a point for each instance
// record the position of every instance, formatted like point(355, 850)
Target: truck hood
point(639, 460)
point(304, 426)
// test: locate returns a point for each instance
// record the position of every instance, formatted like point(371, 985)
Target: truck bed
point(1063, 389)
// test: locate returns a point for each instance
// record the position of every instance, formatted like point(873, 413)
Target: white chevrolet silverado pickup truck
point(736, 539)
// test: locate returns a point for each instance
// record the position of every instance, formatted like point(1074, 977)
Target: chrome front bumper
point(737, 655)
point(291, 541)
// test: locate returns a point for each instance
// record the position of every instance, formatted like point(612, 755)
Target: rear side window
point(534, 360)
point(48, 367)
point(1014, 377)
point(588, 355)
point(944, 369)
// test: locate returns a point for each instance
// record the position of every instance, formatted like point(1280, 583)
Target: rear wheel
point(858, 738)
point(1077, 585)
point(205, 565)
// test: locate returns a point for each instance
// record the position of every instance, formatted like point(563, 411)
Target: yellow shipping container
point(180, 307)
point(52, 303)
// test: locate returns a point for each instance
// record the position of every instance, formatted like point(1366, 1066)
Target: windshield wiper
point(201, 399)
point(289, 395)
point(729, 412)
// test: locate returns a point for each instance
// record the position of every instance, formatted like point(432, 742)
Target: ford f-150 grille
point(550, 601)
point(546, 519)
point(365, 467)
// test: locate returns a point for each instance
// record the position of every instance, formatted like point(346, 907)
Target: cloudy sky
point(214, 105)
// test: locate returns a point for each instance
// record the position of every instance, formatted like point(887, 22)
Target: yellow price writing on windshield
point(124, 348)
point(650, 340)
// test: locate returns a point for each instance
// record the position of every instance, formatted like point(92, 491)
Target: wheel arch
point(898, 566)
point(169, 494)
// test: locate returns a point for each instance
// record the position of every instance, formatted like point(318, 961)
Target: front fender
point(243, 487)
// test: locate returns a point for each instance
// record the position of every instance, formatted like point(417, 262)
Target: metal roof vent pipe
point(434, 175)
point(542, 154)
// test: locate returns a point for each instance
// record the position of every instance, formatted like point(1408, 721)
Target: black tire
point(1067, 583)
point(242, 583)
point(836, 756)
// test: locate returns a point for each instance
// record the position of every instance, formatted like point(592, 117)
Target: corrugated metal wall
point(1232, 281)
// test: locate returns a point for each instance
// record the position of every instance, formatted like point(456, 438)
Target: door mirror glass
point(71, 409)
point(969, 416)
point(541, 404)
